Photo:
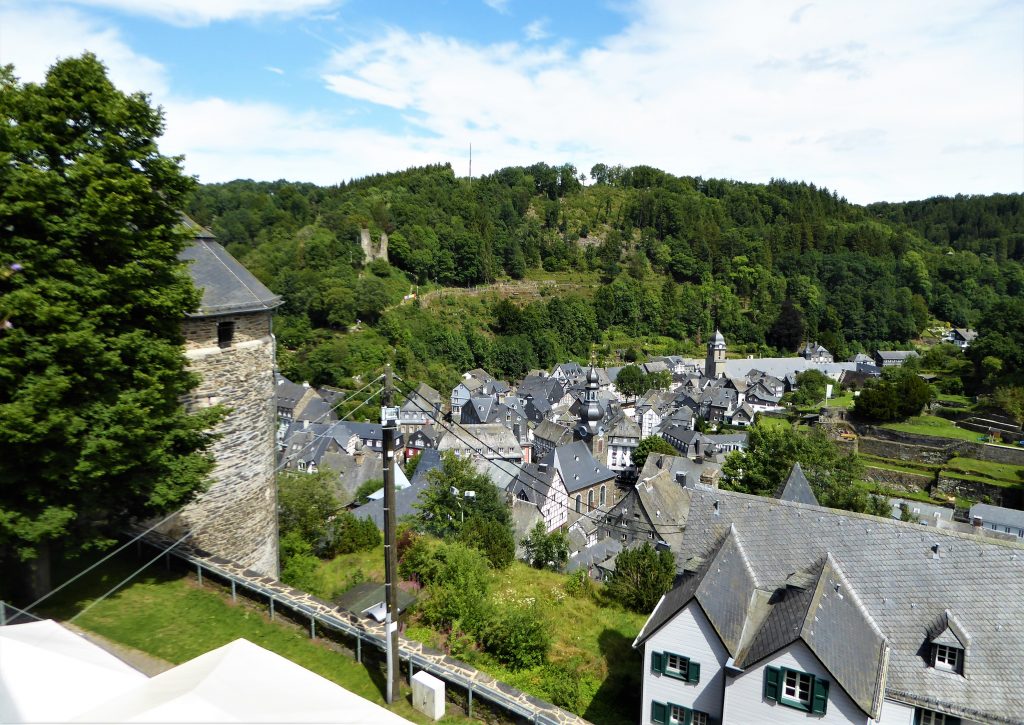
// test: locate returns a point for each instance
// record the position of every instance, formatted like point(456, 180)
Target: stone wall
point(899, 480)
point(902, 451)
point(981, 491)
point(373, 251)
point(932, 449)
point(201, 332)
point(237, 517)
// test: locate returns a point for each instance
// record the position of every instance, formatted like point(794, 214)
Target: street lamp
point(459, 495)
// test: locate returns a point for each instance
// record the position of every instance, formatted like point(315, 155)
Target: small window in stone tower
point(225, 333)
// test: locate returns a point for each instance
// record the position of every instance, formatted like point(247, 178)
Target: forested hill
point(660, 255)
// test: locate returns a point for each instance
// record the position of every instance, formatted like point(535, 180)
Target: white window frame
point(680, 669)
point(797, 688)
point(947, 657)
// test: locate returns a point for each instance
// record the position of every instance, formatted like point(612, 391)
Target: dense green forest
point(638, 254)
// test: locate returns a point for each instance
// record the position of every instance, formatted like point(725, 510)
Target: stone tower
point(229, 343)
point(716, 355)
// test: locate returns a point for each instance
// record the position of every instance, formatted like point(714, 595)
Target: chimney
point(681, 478)
point(358, 456)
point(976, 522)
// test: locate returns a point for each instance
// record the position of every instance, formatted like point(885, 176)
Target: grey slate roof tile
point(227, 286)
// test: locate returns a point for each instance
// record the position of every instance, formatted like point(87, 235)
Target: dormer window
point(949, 644)
point(945, 657)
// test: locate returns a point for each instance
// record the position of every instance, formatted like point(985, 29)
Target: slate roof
point(577, 466)
point(797, 488)
point(666, 506)
point(533, 484)
point(228, 287)
point(998, 515)
point(895, 354)
point(598, 554)
point(287, 393)
point(675, 465)
point(404, 498)
point(902, 575)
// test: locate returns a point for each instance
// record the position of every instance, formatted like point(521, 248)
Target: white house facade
point(792, 613)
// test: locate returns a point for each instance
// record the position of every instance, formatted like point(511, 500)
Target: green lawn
point(770, 422)
point(170, 616)
point(933, 426)
point(843, 400)
point(989, 469)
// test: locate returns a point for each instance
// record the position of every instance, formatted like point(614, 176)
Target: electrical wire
point(603, 522)
point(350, 396)
point(129, 577)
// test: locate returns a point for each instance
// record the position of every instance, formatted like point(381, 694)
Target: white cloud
point(33, 40)
point(876, 93)
point(203, 12)
point(274, 69)
point(876, 101)
point(537, 30)
point(500, 6)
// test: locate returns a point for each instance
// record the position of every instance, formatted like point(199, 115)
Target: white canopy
point(50, 674)
point(239, 682)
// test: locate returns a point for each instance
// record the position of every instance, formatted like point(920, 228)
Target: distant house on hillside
point(893, 358)
point(961, 336)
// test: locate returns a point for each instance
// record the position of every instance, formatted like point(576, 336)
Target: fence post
point(470, 688)
point(312, 628)
point(359, 649)
point(412, 670)
point(233, 597)
point(271, 607)
point(199, 570)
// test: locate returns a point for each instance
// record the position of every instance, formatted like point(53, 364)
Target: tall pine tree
point(92, 430)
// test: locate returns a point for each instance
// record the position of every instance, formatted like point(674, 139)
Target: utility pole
point(389, 419)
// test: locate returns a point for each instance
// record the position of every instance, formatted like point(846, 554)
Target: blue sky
point(879, 100)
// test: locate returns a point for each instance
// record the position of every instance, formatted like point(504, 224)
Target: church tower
point(716, 355)
point(230, 346)
point(589, 428)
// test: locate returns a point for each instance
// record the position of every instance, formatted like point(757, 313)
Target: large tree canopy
point(92, 369)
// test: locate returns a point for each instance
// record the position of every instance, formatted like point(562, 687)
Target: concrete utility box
point(428, 695)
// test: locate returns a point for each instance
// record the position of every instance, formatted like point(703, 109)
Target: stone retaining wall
point(933, 449)
point(981, 491)
point(899, 480)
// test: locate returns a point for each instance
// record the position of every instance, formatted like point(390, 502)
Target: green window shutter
point(659, 713)
point(771, 683)
point(687, 716)
point(917, 716)
point(819, 699)
point(693, 672)
point(950, 720)
point(657, 662)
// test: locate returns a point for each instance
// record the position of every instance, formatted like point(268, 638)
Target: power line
point(641, 528)
point(171, 515)
point(130, 577)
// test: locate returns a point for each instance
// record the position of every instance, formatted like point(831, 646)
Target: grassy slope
point(595, 641)
point(169, 616)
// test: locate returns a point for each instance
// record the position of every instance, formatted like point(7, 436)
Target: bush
point(517, 636)
point(346, 534)
point(580, 585)
point(567, 687)
point(492, 538)
point(460, 583)
point(298, 565)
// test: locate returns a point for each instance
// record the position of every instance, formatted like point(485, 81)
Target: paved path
point(145, 663)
